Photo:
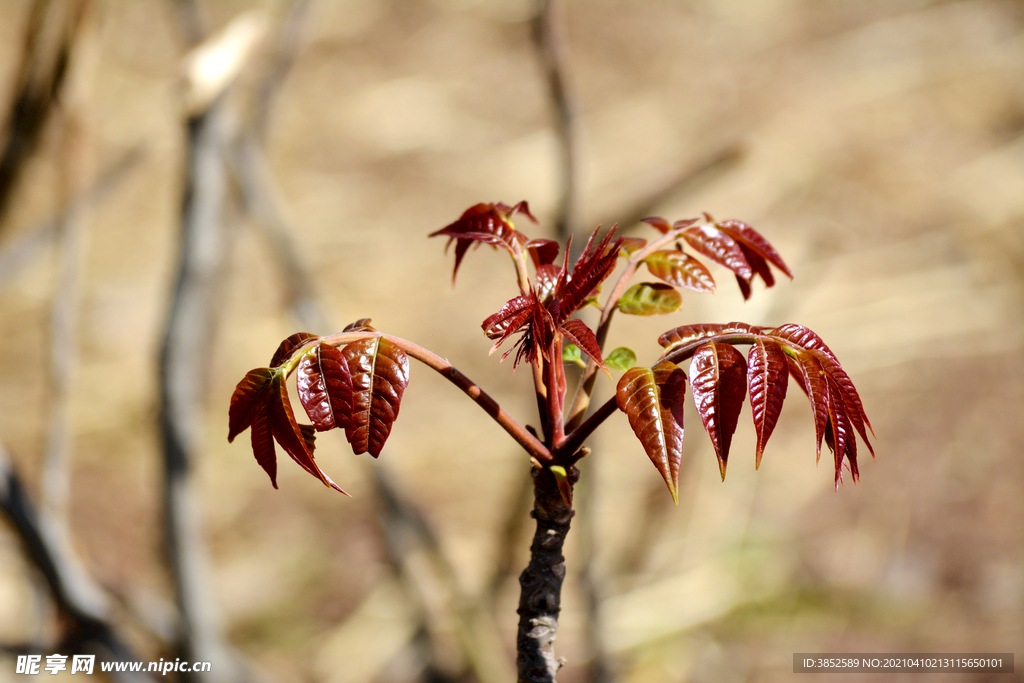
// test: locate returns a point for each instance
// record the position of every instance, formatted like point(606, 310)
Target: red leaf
point(591, 268)
point(543, 252)
point(325, 387)
point(658, 223)
point(754, 241)
point(687, 334)
point(799, 337)
point(487, 223)
point(510, 318)
point(768, 376)
point(840, 437)
point(287, 432)
point(263, 442)
point(577, 332)
point(719, 247)
point(680, 269)
point(248, 400)
point(810, 375)
point(652, 399)
point(380, 374)
point(718, 375)
point(288, 346)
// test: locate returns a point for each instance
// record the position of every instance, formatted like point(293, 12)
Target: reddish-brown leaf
point(543, 252)
point(631, 245)
point(799, 337)
point(248, 400)
point(768, 378)
point(810, 375)
point(487, 223)
point(680, 269)
point(577, 332)
point(380, 374)
point(288, 346)
point(263, 441)
point(687, 334)
point(361, 325)
point(325, 387)
point(719, 247)
point(718, 375)
point(510, 318)
point(652, 399)
point(754, 241)
point(287, 432)
point(839, 436)
point(591, 268)
point(658, 223)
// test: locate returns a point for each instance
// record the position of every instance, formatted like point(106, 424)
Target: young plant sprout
point(355, 380)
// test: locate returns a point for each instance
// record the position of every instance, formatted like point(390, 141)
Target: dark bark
point(541, 581)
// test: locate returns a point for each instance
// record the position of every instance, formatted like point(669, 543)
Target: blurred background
point(184, 184)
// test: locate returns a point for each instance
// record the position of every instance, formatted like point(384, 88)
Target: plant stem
point(541, 581)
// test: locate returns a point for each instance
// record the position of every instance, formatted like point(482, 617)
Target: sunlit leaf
point(810, 375)
point(543, 252)
point(361, 325)
point(631, 245)
point(680, 269)
point(719, 247)
point(571, 354)
point(288, 346)
point(650, 298)
point(380, 374)
point(718, 376)
point(687, 334)
point(287, 432)
point(621, 359)
point(754, 241)
point(592, 267)
point(325, 387)
point(577, 332)
point(248, 400)
point(658, 223)
point(487, 223)
point(768, 378)
point(652, 399)
point(263, 441)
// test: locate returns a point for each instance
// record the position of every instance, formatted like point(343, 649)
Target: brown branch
point(552, 52)
point(540, 599)
point(51, 30)
point(79, 599)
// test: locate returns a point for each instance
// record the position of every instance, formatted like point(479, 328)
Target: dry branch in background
point(88, 627)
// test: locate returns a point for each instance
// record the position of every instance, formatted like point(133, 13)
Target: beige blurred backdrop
point(878, 145)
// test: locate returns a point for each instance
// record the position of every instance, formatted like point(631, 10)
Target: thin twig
point(552, 52)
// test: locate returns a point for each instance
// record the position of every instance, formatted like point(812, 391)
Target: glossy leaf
point(577, 332)
point(380, 374)
point(687, 334)
point(719, 247)
point(593, 266)
point(325, 387)
point(263, 441)
point(652, 399)
point(487, 223)
point(658, 223)
point(650, 298)
point(509, 319)
point(768, 376)
point(621, 359)
point(287, 432)
point(248, 400)
point(680, 269)
point(361, 325)
point(718, 375)
point(543, 252)
point(807, 369)
point(755, 242)
point(288, 346)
